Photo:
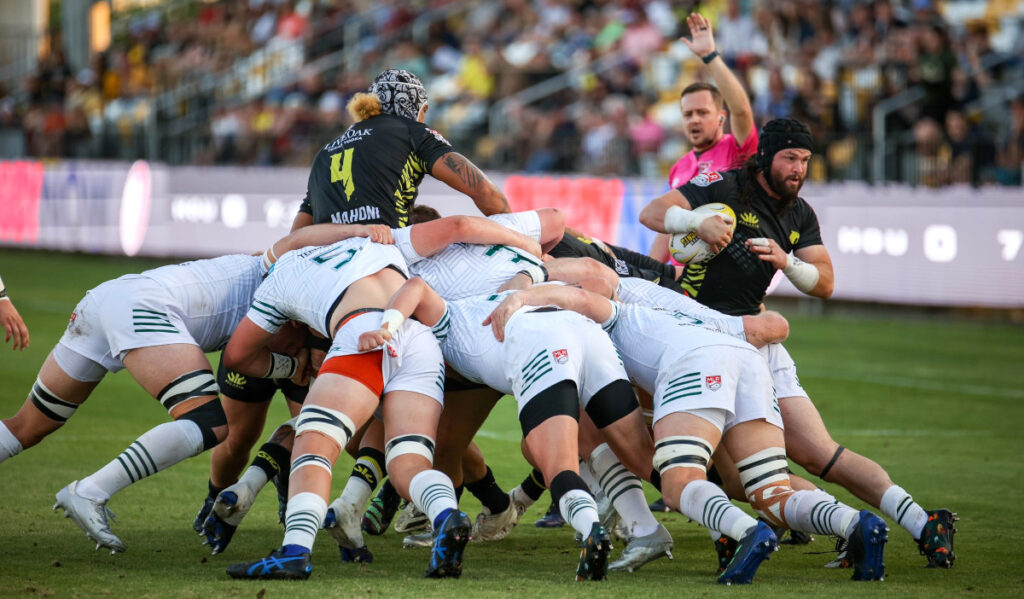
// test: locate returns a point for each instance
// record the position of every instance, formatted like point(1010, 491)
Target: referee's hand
point(14, 326)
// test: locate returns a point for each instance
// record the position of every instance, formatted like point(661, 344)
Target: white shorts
point(544, 348)
point(411, 361)
point(119, 316)
point(723, 377)
point(783, 369)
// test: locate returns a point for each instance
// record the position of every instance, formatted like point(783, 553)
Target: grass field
point(940, 404)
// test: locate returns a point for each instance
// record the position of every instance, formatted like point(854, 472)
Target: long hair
point(749, 187)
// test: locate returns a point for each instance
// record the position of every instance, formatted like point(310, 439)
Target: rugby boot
point(842, 559)
point(197, 524)
point(658, 505)
point(381, 511)
point(279, 565)
point(594, 555)
point(552, 519)
point(867, 547)
point(420, 539)
point(450, 540)
point(91, 516)
point(280, 481)
point(346, 533)
point(936, 542)
point(494, 527)
point(229, 509)
point(752, 549)
point(725, 549)
point(410, 518)
point(643, 550)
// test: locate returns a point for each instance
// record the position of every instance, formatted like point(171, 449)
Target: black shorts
point(255, 390)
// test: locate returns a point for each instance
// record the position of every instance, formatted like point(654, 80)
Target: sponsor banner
point(954, 246)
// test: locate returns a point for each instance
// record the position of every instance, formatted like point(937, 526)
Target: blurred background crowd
point(894, 90)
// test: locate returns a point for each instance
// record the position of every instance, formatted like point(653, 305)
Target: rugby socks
point(898, 505)
point(489, 493)
point(576, 505)
point(624, 489)
point(820, 513)
point(9, 444)
point(306, 513)
point(158, 448)
point(432, 492)
point(212, 490)
point(266, 465)
point(530, 490)
point(707, 504)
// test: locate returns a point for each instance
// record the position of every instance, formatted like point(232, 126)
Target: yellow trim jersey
point(371, 174)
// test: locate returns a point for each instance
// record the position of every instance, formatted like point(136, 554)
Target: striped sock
point(432, 492)
point(898, 505)
point(579, 509)
point(157, 449)
point(624, 489)
point(707, 504)
point(819, 513)
point(306, 513)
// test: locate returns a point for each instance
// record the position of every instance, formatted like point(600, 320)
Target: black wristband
point(707, 59)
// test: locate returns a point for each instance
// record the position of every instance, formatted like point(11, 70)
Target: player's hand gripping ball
point(689, 248)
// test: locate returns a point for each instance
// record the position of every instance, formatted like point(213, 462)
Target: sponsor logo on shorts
point(236, 380)
point(391, 351)
point(74, 315)
point(561, 356)
point(714, 383)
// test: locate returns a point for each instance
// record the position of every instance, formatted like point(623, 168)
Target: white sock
point(304, 517)
point(590, 477)
point(898, 505)
point(157, 449)
point(625, 490)
point(520, 496)
point(579, 509)
point(348, 508)
point(432, 493)
point(820, 513)
point(705, 503)
point(9, 444)
point(254, 478)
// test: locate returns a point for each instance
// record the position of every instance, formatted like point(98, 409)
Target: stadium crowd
point(826, 63)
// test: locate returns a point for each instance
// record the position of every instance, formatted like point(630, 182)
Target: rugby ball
point(688, 248)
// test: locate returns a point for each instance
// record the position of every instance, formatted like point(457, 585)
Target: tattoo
point(465, 170)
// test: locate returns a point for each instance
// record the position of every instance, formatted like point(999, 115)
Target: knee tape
point(311, 459)
point(681, 452)
point(197, 383)
point(330, 423)
point(765, 478)
point(207, 417)
point(50, 405)
point(415, 444)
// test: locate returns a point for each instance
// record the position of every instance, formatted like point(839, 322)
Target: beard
point(782, 186)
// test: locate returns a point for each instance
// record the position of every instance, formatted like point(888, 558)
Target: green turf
point(939, 404)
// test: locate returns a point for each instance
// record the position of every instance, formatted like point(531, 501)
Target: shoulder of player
point(714, 177)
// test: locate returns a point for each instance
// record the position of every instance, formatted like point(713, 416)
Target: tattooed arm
point(463, 176)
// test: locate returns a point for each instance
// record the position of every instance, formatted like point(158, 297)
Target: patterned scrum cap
point(400, 92)
point(778, 135)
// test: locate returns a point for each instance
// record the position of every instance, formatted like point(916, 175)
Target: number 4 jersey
point(371, 174)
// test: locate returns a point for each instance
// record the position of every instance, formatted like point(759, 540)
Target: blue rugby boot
point(867, 547)
point(751, 551)
point(290, 562)
point(450, 538)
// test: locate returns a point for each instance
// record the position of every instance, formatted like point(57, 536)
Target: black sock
point(458, 493)
point(271, 459)
point(656, 479)
point(388, 493)
point(489, 493)
point(533, 485)
point(214, 491)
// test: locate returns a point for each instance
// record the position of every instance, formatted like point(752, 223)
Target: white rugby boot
point(494, 527)
point(643, 550)
point(410, 518)
point(91, 516)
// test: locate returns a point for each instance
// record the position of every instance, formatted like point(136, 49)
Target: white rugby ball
point(688, 248)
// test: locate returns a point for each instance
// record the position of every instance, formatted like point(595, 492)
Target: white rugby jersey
point(633, 290)
point(304, 284)
point(211, 296)
point(650, 339)
point(464, 270)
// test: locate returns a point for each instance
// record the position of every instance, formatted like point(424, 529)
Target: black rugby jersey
point(371, 174)
point(626, 262)
point(735, 281)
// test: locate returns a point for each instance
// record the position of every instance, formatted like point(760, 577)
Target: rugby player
point(772, 222)
point(11, 321)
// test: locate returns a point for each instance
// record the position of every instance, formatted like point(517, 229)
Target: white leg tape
point(49, 404)
point(414, 444)
point(311, 459)
point(328, 422)
point(681, 452)
point(763, 468)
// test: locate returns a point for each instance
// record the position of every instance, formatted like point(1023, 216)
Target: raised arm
point(741, 116)
point(431, 237)
point(463, 176)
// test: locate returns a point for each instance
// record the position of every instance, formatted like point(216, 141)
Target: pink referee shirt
point(723, 156)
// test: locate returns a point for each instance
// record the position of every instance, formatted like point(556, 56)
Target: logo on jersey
point(705, 179)
point(361, 214)
point(351, 135)
point(74, 315)
point(794, 236)
point(749, 219)
point(235, 379)
point(561, 355)
point(714, 383)
point(439, 137)
point(391, 351)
